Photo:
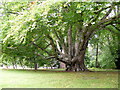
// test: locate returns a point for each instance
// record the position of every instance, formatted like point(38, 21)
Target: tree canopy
point(58, 30)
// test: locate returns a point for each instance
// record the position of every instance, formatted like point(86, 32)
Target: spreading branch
point(108, 20)
point(106, 15)
point(41, 48)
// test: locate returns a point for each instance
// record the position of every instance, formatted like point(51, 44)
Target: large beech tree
point(61, 30)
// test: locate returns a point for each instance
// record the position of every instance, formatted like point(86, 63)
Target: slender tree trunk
point(13, 65)
point(35, 66)
point(96, 63)
point(117, 62)
point(16, 66)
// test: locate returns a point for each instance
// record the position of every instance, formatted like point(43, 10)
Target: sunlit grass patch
point(57, 79)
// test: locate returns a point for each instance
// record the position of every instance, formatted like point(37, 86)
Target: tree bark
point(117, 62)
point(96, 63)
point(77, 63)
point(35, 66)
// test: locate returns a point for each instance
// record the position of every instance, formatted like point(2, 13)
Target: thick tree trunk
point(76, 66)
point(78, 63)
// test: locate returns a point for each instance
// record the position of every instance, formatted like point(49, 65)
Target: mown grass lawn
point(57, 79)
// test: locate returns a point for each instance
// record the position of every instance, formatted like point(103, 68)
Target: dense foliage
point(33, 32)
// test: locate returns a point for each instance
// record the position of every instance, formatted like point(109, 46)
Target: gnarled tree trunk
point(77, 63)
point(77, 66)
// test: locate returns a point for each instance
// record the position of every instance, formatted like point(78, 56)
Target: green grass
point(57, 79)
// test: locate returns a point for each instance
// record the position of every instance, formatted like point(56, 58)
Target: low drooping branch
point(44, 57)
point(41, 48)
